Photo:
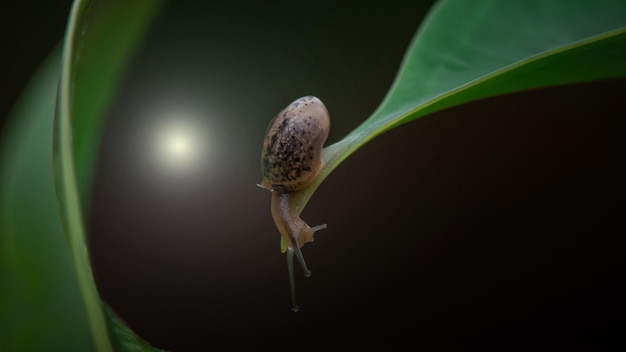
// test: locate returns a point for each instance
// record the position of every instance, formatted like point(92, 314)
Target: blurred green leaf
point(49, 300)
point(104, 37)
point(100, 39)
point(40, 302)
point(469, 50)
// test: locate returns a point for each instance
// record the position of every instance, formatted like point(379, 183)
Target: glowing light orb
point(179, 144)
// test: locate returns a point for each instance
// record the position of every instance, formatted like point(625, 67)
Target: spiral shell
point(291, 155)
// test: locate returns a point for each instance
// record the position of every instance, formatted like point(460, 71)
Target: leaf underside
point(469, 50)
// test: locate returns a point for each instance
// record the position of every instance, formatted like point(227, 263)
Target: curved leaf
point(468, 50)
point(40, 307)
point(100, 38)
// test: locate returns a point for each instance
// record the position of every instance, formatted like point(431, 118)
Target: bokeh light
point(179, 144)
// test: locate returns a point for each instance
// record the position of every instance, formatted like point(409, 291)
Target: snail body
point(290, 160)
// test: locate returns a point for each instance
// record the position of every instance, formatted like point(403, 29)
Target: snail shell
point(291, 156)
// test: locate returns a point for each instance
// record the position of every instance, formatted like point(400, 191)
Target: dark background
point(495, 224)
point(28, 32)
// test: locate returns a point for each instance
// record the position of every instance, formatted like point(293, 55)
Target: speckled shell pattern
point(291, 156)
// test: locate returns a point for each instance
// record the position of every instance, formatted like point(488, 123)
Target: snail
point(290, 160)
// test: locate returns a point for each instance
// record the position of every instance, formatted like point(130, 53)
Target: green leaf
point(469, 50)
point(100, 39)
point(40, 302)
point(48, 299)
